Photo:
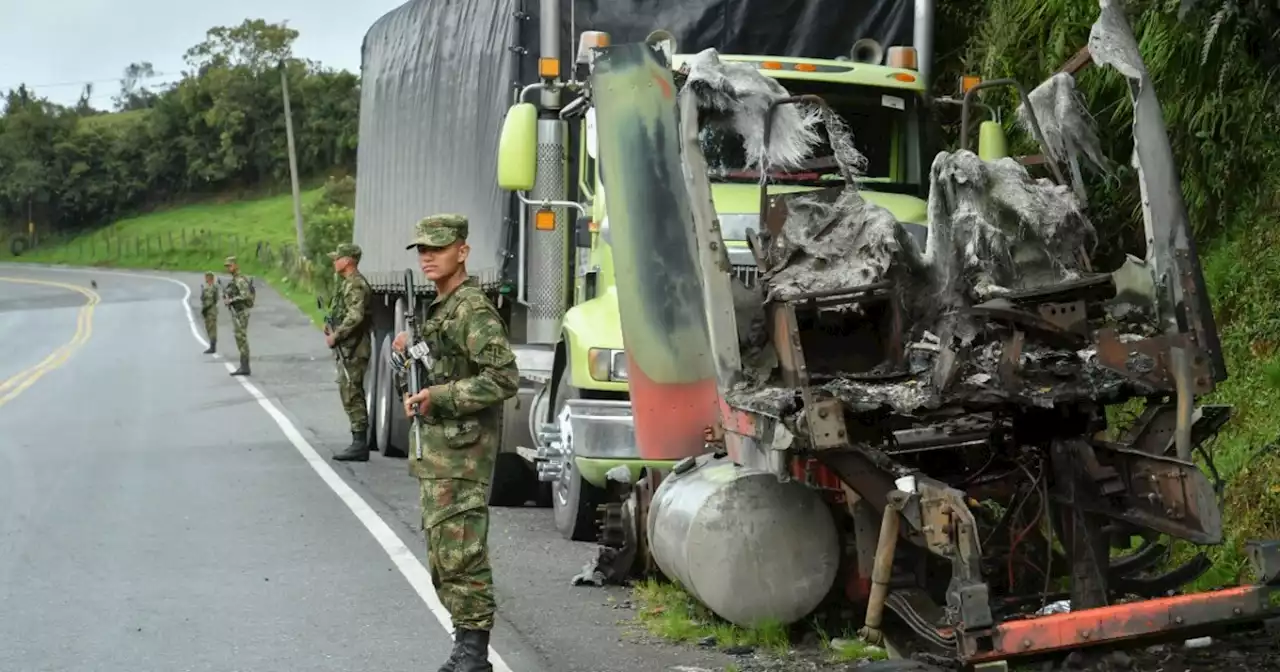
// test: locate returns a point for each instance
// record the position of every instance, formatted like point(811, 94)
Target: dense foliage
point(1212, 62)
point(220, 128)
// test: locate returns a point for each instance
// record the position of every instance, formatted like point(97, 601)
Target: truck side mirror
point(992, 144)
point(518, 148)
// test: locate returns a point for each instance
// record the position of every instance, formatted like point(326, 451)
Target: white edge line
point(410, 567)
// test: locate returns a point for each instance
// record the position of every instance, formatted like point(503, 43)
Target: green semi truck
point(590, 407)
point(430, 142)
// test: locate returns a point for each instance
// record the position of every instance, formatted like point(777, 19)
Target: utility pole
point(293, 162)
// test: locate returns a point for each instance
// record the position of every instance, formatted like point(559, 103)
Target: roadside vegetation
point(668, 612)
point(178, 176)
point(258, 232)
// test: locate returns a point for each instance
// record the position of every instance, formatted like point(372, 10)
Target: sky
point(56, 46)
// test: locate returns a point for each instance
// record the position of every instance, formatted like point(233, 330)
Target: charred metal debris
point(990, 313)
point(972, 376)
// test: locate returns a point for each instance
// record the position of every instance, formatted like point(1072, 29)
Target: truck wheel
point(398, 434)
point(510, 483)
point(573, 499)
point(371, 394)
point(380, 399)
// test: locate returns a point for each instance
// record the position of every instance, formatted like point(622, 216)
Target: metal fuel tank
point(749, 547)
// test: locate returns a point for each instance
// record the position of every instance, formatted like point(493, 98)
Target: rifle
point(331, 325)
point(417, 351)
point(226, 294)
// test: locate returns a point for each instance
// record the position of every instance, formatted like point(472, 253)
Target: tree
point(83, 105)
point(133, 95)
point(254, 44)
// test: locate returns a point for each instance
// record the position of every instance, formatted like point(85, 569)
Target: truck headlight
point(607, 364)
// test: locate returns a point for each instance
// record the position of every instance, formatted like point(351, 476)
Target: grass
point(259, 232)
point(1243, 275)
point(668, 612)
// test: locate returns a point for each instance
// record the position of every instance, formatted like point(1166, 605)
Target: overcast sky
point(56, 46)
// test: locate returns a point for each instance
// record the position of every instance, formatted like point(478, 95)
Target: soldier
point(209, 309)
point(239, 299)
point(352, 313)
point(471, 371)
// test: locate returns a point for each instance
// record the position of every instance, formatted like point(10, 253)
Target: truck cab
point(585, 436)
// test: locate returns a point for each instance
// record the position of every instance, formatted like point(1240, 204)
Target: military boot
point(358, 451)
point(451, 665)
point(475, 651)
point(213, 347)
point(244, 367)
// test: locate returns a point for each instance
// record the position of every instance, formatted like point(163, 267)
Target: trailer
point(917, 429)
point(437, 80)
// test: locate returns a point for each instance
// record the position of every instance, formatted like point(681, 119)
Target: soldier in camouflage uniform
point(209, 310)
point(239, 301)
point(470, 372)
point(351, 310)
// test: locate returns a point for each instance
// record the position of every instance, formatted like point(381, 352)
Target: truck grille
point(748, 274)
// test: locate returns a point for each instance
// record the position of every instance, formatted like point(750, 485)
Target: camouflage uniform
point(238, 295)
point(209, 310)
point(471, 373)
point(352, 310)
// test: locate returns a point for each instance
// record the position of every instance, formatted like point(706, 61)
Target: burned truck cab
point(923, 428)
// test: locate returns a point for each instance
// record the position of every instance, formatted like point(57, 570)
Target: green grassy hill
point(259, 232)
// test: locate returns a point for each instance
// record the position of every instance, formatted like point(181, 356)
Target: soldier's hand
point(398, 344)
point(421, 400)
point(328, 339)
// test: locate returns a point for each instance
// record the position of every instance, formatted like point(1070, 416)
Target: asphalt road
point(158, 514)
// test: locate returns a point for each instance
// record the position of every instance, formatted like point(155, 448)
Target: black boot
point(213, 347)
point(244, 367)
point(475, 651)
point(358, 451)
point(451, 665)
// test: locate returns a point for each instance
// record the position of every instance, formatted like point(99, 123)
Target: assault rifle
point(331, 325)
point(226, 295)
point(419, 354)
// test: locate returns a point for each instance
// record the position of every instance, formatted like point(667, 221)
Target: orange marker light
point(968, 82)
point(548, 68)
point(904, 77)
point(544, 220)
point(806, 67)
point(771, 65)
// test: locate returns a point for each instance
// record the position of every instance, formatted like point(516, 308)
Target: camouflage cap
point(229, 261)
point(347, 250)
point(209, 274)
point(439, 231)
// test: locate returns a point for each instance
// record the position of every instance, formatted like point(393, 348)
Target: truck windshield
point(884, 125)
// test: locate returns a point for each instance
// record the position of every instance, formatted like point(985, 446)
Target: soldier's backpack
point(253, 294)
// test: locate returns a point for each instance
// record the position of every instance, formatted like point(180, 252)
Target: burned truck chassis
point(949, 399)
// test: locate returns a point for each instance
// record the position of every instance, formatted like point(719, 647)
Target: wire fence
point(178, 248)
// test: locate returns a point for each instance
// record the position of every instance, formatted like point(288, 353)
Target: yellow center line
point(14, 386)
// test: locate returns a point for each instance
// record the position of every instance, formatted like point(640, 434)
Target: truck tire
point(573, 500)
point(371, 393)
point(398, 431)
point(512, 481)
point(380, 399)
